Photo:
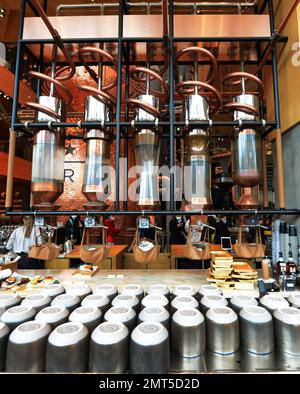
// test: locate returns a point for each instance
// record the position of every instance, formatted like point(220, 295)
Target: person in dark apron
point(22, 240)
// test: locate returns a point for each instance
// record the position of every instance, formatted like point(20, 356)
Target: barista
point(221, 227)
point(74, 225)
point(177, 231)
point(22, 240)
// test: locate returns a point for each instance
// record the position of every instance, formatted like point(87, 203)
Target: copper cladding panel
point(206, 26)
point(185, 26)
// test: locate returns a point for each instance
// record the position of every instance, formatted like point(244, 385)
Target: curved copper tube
point(248, 109)
point(145, 106)
point(44, 77)
point(203, 52)
point(43, 108)
point(57, 40)
point(154, 76)
point(183, 92)
point(228, 81)
point(102, 54)
point(102, 96)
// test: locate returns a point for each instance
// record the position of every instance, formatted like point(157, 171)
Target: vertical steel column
point(127, 58)
point(171, 101)
point(280, 180)
point(41, 62)
point(119, 104)
point(13, 134)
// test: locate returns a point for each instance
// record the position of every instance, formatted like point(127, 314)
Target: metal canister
point(258, 363)
point(155, 300)
point(53, 290)
point(109, 348)
point(69, 301)
point(134, 289)
point(4, 333)
point(256, 330)
point(107, 290)
point(273, 302)
point(222, 330)
point(53, 315)
point(37, 301)
point(210, 301)
point(80, 290)
point(26, 347)
point(149, 349)
point(208, 290)
point(287, 330)
point(67, 348)
point(183, 302)
point(123, 315)
point(188, 333)
point(90, 316)
point(99, 301)
point(240, 301)
point(159, 289)
point(183, 290)
point(9, 300)
point(127, 300)
point(155, 313)
point(294, 300)
point(17, 315)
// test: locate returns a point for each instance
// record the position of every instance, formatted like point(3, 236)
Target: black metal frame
point(122, 127)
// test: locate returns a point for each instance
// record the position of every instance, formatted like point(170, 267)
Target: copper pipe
point(228, 81)
point(163, 94)
point(248, 109)
point(42, 108)
point(265, 176)
point(10, 168)
point(180, 88)
point(276, 37)
point(280, 177)
point(104, 97)
point(58, 85)
point(57, 39)
point(145, 106)
point(201, 51)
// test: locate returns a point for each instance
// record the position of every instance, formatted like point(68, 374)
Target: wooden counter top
point(114, 251)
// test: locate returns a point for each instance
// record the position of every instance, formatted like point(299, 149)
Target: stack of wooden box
point(244, 276)
point(221, 269)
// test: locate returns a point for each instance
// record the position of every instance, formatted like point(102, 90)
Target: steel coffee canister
point(184, 290)
point(222, 330)
point(210, 301)
point(155, 300)
point(273, 302)
point(208, 290)
point(9, 300)
point(123, 315)
point(159, 289)
point(90, 316)
point(240, 301)
point(183, 302)
point(53, 290)
point(188, 333)
point(155, 313)
point(256, 330)
point(27, 346)
point(17, 315)
point(135, 290)
point(109, 348)
point(37, 301)
point(149, 349)
point(81, 291)
point(68, 348)
point(53, 315)
point(107, 290)
point(99, 301)
point(4, 333)
point(127, 300)
point(294, 300)
point(69, 301)
point(287, 330)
